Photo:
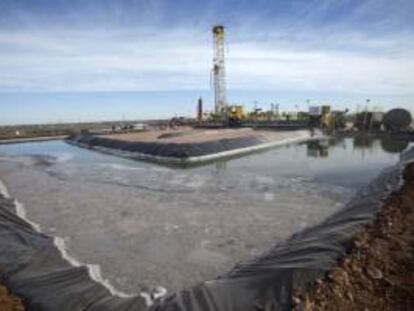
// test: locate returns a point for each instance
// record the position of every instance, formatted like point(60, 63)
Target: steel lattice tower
point(219, 73)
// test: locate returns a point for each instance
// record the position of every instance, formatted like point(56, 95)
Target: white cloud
point(320, 71)
point(179, 59)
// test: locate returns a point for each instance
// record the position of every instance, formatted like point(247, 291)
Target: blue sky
point(77, 60)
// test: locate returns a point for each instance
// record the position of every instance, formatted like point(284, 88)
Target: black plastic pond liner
point(33, 268)
point(169, 150)
point(267, 282)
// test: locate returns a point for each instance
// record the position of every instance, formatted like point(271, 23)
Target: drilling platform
point(219, 73)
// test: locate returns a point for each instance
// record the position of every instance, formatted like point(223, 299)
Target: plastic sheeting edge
point(249, 286)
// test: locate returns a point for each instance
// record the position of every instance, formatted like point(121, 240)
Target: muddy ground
point(190, 135)
point(378, 271)
point(9, 302)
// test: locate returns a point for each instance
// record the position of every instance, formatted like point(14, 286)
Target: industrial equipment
point(321, 116)
point(339, 119)
point(368, 120)
point(326, 117)
point(397, 120)
point(200, 110)
point(219, 73)
point(236, 115)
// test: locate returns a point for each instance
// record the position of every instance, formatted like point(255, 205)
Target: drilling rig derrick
point(219, 73)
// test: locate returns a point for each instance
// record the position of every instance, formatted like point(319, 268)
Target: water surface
point(148, 225)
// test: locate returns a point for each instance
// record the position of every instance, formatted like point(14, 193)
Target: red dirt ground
point(9, 302)
point(378, 272)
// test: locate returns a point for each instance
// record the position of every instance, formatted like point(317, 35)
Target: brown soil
point(378, 272)
point(9, 302)
point(189, 135)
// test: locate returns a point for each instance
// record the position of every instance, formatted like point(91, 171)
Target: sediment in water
point(33, 267)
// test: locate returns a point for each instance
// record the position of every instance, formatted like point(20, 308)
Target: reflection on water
point(393, 144)
point(318, 148)
point(151, 225)
point(388, 143)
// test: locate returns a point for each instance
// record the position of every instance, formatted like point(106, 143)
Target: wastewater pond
point(147, 225)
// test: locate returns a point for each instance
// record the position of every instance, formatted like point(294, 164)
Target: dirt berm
point(9, 302)
point(377, 273)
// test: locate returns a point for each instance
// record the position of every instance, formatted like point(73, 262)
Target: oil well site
point(229, 209)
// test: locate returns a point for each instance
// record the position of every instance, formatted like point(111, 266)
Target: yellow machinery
point(236, 114)
point(326, 117)
point(259, 115)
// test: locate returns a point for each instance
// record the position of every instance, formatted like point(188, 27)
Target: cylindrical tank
point(397, 120)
